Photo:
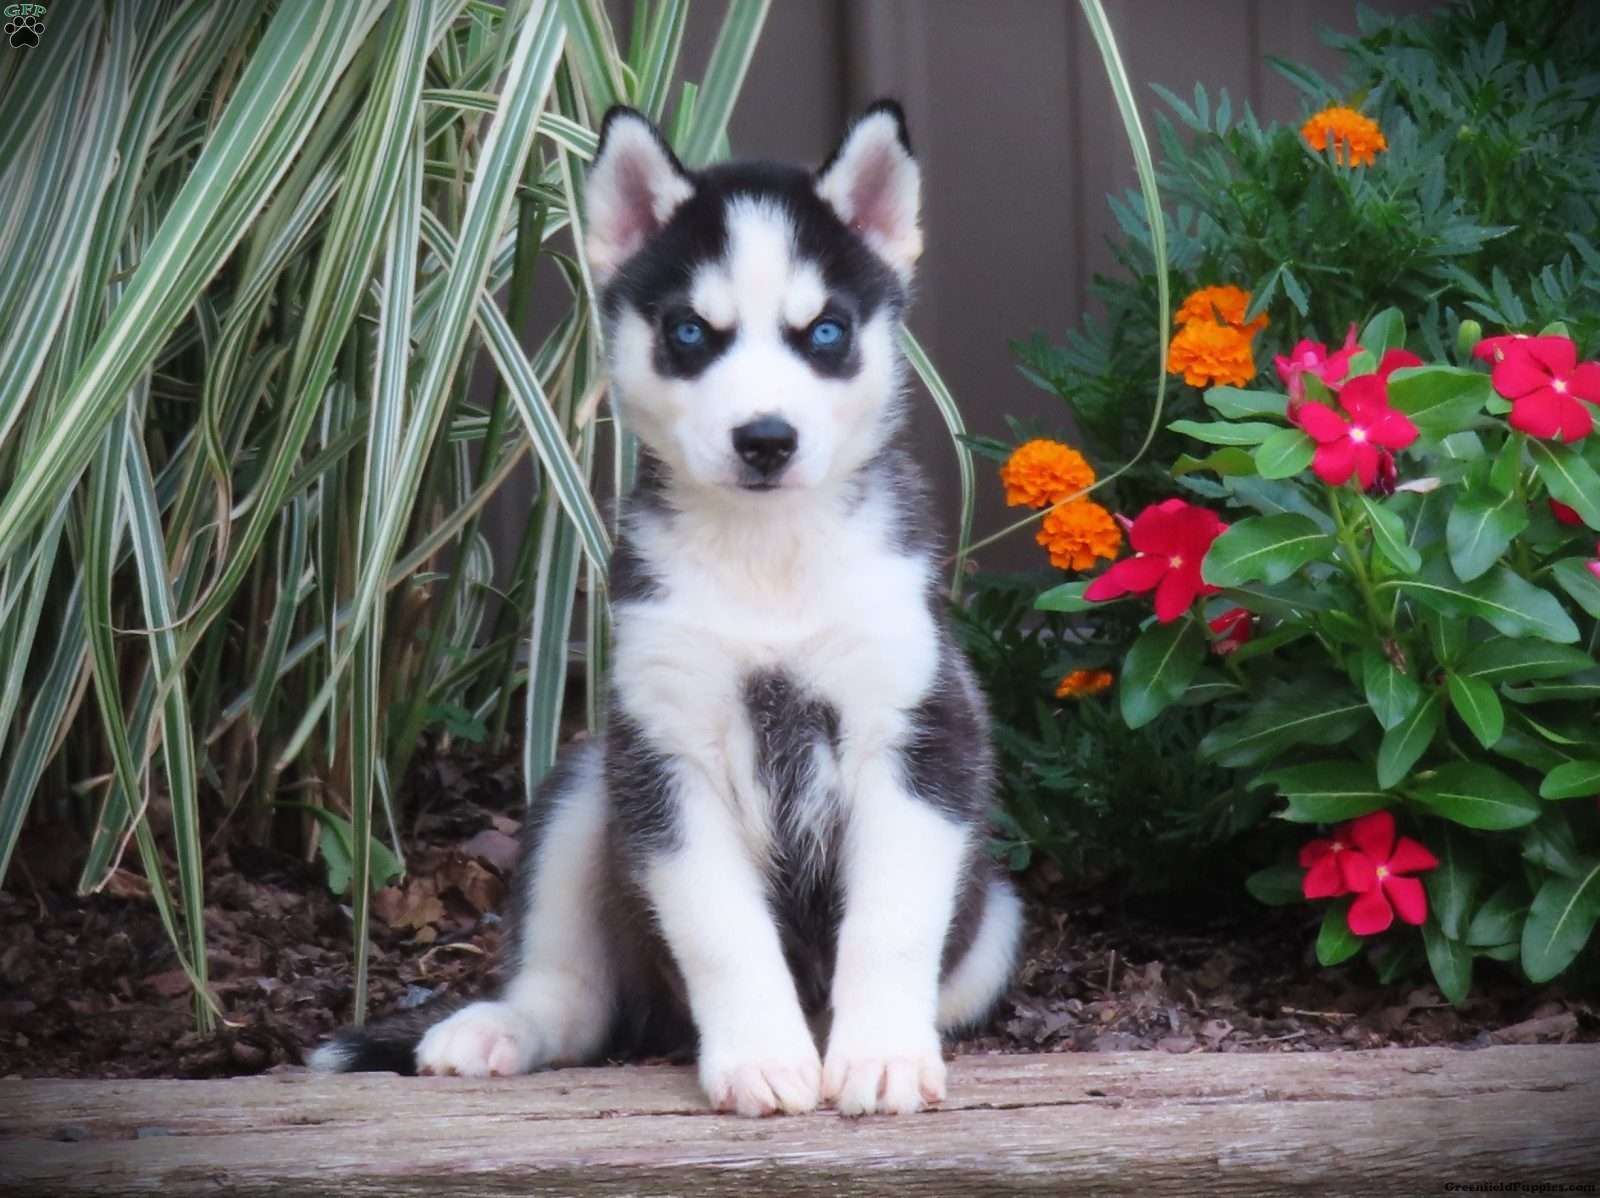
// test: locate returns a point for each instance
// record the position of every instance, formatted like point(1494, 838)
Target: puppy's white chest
point(843, 617)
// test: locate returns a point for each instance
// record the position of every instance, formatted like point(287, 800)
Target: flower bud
point(1467, 337)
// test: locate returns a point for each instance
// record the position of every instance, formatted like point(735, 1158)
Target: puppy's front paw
point(888, 1075)
point(763, 1080)
point(487, 1039)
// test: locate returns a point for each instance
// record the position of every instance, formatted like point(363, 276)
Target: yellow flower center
point(1559, 386)
point(1383, 872)
point(1175, 562)
point(1358, 434)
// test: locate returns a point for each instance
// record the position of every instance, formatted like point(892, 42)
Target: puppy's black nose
point(766, 443)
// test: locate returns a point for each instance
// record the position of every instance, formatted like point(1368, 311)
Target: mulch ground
point(90, 988)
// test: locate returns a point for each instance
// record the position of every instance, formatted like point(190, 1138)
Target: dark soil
point(90, 988)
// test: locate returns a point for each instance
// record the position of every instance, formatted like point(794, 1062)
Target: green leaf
point(1389, 534)
point(954, 423)
point(1560, 922)
point(1285, 454)
point(1276, 885)
point(1264, 548)
point(1325, 792)
point(1480, 529)
point(1507, 659)
point(1568, 478)
point(1439, 400)
point(1158, 669)
point(1407, 741)
point(1477, 796)
point(1230, 461)
point(1478, 706)
point(1386, 330)
point(1234, 404)
point(1066, 597)
point(1573, 780)
point(1447, 637)
point(1335, 941)
point(1225, 432)
point(1581, 686)
point(1453, 884)
point(1576, 579)
point(1499, 919)
point(1507, 465)
point(1391, 694)
point(1282, 720)
point(1514, 606)
point(338, 843)
point(1549, 844)
point(1450, 961)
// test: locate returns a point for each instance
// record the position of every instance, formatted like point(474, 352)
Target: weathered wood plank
point(1380, 1123)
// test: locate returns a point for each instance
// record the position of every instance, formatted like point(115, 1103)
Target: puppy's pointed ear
point(635, 185)
point(875, 186)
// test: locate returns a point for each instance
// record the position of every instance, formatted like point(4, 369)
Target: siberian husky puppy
point(779, 839)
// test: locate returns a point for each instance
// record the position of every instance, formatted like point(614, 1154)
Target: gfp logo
point(24, 24)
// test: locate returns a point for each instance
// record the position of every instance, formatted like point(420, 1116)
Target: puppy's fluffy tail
point(388, 1046)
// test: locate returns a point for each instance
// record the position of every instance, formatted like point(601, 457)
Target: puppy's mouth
point(760, 484)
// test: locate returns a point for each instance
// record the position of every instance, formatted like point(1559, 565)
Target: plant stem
point(1358, 565)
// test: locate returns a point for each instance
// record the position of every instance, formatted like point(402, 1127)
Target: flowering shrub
point(1396, 635)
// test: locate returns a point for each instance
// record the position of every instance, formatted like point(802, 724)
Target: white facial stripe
point(760, 262)
point(711, 295)
point(806, 294)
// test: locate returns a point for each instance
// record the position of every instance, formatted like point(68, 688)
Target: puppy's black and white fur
point(781, 832)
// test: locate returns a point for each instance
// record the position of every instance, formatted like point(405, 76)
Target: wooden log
point(1404, 1121)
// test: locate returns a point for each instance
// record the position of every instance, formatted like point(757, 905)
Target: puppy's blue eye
point(825, 334)
point(688, 333)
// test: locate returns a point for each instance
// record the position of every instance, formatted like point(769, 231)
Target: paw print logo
point(24, 31)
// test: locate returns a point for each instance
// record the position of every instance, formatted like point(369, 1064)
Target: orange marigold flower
point(1206, 353)
point(1041, 472)
point(1356, 138)
point(1226, 304)
point(1082, 683)
point(1078, 532)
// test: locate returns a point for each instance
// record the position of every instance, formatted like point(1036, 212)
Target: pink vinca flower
point(1355, 445)
point(1373, 870)
point(1312, 357)
point(1171, 539)
point(1545, 383)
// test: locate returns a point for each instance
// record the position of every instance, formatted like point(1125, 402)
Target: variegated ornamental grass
point(249, 254)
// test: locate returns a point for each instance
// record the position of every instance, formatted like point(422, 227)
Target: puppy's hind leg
point(558, 1005)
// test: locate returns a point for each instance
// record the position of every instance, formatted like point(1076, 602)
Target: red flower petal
point(1321, 423)
point(1175, 595)
point(1409, 899)
point(1548, 415)
point(1585, 382)
point(1130, 576)
point(1593, 568)
point(1558, 355)
point(1359, 871)
point(1492, 349)
point(1366, 462)
point(1323, 879)
point(1563, 513)
point(1392, 429)
point(1373, 834)
point(1369, 914)
point(1364, 398)
point(1159, 528)
point(1519, 373)
point(1410, 857)
point(1335, 462)
point(1394, 359)
point(1313, 851)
